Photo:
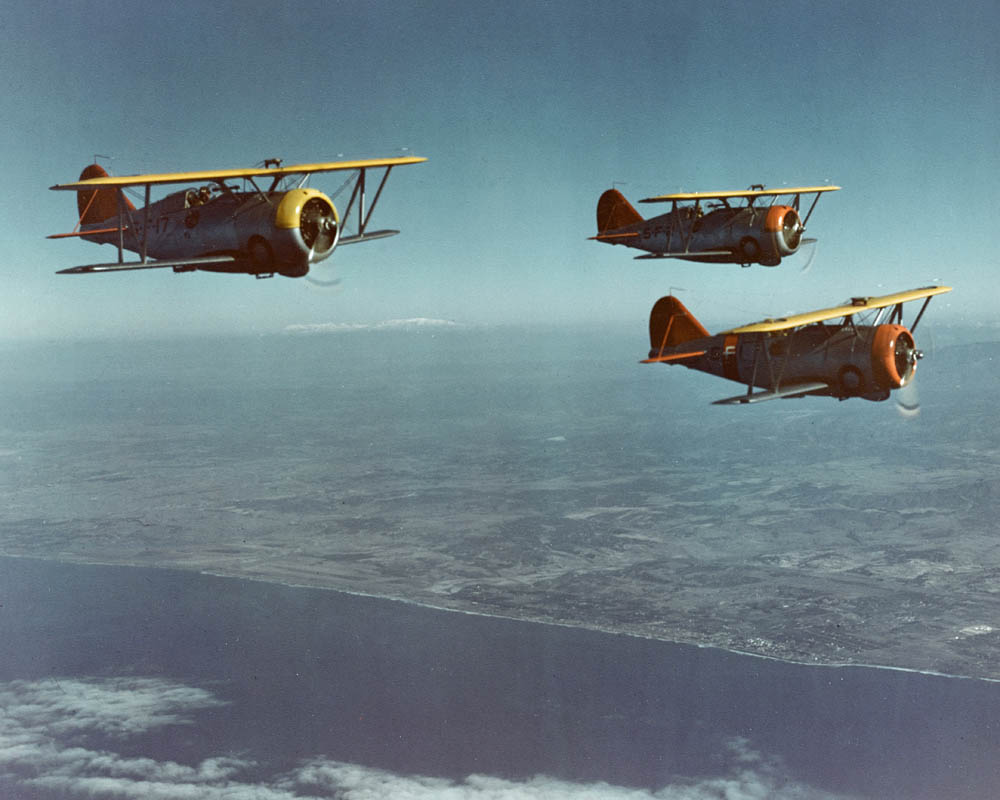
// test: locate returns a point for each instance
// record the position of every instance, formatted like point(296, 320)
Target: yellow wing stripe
point(858, 305)
point(664, 198)
point(231, 174)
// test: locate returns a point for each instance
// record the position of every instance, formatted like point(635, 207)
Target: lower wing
point(193, 263)
point(792, 390)
point(364, 237)
point(690, 254)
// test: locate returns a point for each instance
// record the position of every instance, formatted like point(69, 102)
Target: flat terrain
point(535, 475)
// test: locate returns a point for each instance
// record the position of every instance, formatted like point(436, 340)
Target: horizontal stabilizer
point(610, 237)
point(792, 390)
point(82, 233)
point(673, 357)
point(193, 263)
point(693, 253)
point(366, 236)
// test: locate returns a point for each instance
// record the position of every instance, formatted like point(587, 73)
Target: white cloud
point(44, 726)
point(414, 324)
point(115, 707)
point(352, 782)
point(42, 723)
point(112, 787)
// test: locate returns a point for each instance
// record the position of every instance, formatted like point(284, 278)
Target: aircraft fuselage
point(853, 361)
point(745, 235)
point(282, 232)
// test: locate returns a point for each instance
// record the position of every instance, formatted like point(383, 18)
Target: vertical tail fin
point(670, 323)
point(614, 211)
point(97, 205)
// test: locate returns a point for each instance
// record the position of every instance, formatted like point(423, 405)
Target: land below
point(812, 531)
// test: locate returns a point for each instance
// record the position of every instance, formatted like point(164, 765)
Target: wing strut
point(363, 217)
point(120, 194)
point(776, 380)
point(814, 202)
point(756, 361)
point(690, 231)
point(145, 224)
point(897, 314)
point(674, 222)
point(923, 308)
point(760, 346)
point(124, 210)
point(378, 194)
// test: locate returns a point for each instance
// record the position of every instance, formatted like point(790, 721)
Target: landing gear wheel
point(261, 255)
point(851, 382)
point(749, 250)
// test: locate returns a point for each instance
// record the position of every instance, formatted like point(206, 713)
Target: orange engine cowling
point(784, 224)
point(894, 356)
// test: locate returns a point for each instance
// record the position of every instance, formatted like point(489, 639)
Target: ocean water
point(244, 685)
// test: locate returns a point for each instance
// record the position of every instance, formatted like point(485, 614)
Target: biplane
point(737, 227)
point(859, 349)
point(259, 221)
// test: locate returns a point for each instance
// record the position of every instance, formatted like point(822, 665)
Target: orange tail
point(97, 205)
point(614, 211)
point(670, 323)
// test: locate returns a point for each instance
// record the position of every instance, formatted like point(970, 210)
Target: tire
point(749, 250)
point(851, 382)
point(261, 254)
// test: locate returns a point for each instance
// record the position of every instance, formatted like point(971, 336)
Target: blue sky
point(527, 111)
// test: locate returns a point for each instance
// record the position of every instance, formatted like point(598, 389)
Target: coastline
point(573, 625)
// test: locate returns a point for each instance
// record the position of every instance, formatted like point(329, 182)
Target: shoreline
point(216, 573)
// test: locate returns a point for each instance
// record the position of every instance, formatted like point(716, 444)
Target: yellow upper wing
point(231, 174)
point(857, 305)
point(663, 198)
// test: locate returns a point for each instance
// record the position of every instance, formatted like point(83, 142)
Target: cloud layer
point(46, 726)
point(414, 324)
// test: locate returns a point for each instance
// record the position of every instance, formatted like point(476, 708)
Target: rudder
point(670, 323)
point(97, 205)
point(614, 211)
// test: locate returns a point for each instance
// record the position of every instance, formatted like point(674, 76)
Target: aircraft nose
point(318, 225)
point(792, 229)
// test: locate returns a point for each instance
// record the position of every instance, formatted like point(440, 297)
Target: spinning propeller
point(812, 254)
point(792, 229)
point(908, 400)
point(322, 283)
point(907, 396)
point(318, 225)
